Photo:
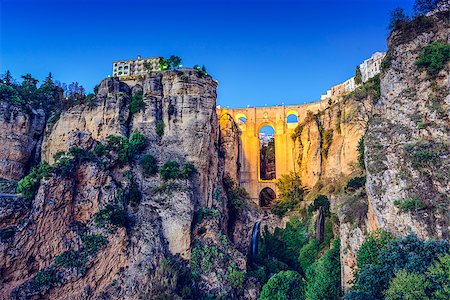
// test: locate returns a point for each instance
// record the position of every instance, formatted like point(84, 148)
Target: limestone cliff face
point(161, 225)
point(20, 132)
point(107, 115)
point(407, 143)
point(326, 143)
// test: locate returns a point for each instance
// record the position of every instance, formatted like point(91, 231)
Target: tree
point(308, 255)
point(7, 78)
point(438, 275)
point(422, 7)
point(358, 76)
point(48, 81)
point(283, 286)
point(164, 64)
point(434, 57)
point(407, 286)
point(174, 62)
point(325, 283)
point(397, 17)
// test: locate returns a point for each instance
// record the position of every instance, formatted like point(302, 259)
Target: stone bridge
point(250, 121)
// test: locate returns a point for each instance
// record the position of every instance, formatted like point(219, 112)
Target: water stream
point(254, 241)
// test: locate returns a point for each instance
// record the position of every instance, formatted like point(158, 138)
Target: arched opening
point(267, 153)
point(266, 197)
point(241, 119)
point(292, 118)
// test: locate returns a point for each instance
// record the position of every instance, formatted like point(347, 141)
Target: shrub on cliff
point(149, 165)
point(29, 185)
point(283, 285)
point(170, 170)
point(434, 57)
point(137, 103)
point(112, 216)
point(160, 128)
point(126, 148)
point(355, 183)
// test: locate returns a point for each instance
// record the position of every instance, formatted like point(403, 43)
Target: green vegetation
point(160, 128)
point(422, 7)
point(45, 279)
point(172, 63)
point(434, 57)
point(202, 70)
point(111, 217)
point(7, 233)
point(29, 185)
point(409, 204)
point(320, 201)
point(137, 102)
point(51, 96)
point(398, 17)
point(355, 183)
point(149, 165)
point(125, 148)
point(386, 62)
point(171, 170)
point(407, 286)
point(283, 285)
point(290, 192)
point(236, 279)
point(308, 255)
point(202, 258)
point(381, 259)
point(236, 195)
point(361, 150)
point(92, 244)
point(327, 139)
point(324, 278)
point(358, 76)
point(371, 88)
point(134, 194)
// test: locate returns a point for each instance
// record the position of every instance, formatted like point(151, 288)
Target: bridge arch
point(266, 153)
point(266, 197)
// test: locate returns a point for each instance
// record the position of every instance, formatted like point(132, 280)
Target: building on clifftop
point(133, 68)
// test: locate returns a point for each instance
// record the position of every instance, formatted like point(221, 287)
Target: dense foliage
point(137, 102)
point(51, 96)
point(434, 57)
point(283, 285)
point(382, 258)
point(290, 191)
point(324, 276)
point(149, 165)
point(29, 185)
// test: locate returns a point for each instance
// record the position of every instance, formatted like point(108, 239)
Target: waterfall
point(320, 224)
point(254, 241)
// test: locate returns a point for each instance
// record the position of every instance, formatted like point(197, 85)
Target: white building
point(369, 68)
point(135, 67)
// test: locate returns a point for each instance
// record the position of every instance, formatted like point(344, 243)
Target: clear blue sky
point(261, 52)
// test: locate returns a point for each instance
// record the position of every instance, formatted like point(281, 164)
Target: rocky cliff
point(98, 226)
point(20, 132)
point(407, 142)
